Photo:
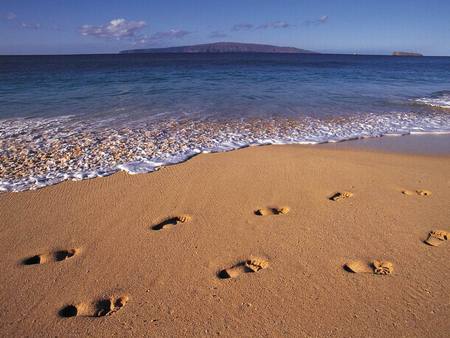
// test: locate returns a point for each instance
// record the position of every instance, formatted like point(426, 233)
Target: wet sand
point(425, 144)
point(265, 241)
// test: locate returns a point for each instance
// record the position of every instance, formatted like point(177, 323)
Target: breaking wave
point(37, 152)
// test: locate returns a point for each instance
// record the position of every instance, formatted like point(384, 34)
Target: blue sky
point(336, 26)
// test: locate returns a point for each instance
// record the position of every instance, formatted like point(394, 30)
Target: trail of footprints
point(110, 305)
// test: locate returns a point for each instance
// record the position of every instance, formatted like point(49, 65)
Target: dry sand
point(148, 255)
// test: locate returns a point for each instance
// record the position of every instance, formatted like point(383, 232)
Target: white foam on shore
point(439, 100)
point(214, 137)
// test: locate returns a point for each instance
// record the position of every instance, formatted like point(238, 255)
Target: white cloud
point(115, 29)
point(30, 25)
point(122, 29)
point(323, 19)
point(11, 16)
point(268, 25)
point(242, 27)
point(159, 37)
point(171, 34)
point(275, 24)
point(17, 23)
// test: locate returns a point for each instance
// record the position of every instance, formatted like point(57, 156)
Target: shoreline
point(419, 143)
point(155, 246)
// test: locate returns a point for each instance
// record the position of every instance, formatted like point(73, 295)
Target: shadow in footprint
point(167, 223)
point(64, 254)
point(68, 311)
point(32, 260)
point(347, 268)
point(340, 196)
point(272, 211)
point(56, 256)
point(103, 307)
point(170, 222)
point(248, 266)
point(100, 308)
point(418, 192)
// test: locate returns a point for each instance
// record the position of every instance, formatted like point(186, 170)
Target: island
point(406, 54)
point(222, 47)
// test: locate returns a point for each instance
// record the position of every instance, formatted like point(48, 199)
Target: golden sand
point(184, 251)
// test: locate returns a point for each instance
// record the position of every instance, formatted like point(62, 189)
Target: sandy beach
point(245, 243)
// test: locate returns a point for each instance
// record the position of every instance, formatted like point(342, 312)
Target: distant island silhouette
point(222, 47)
point(406, 54)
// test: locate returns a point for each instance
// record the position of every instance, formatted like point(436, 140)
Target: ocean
point(82, 116)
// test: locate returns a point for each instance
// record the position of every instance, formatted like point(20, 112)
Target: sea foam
point(39, 152)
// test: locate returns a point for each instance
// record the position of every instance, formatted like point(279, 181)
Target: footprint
point(56, 256)
point(377, 267)
point(99, 308)
point(340, 196)
point(419, 192)
point(170, 222)
point(272, 211)
point(251, 265)
point(437, 237)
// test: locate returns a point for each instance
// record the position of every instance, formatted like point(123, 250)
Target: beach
point(243, 243)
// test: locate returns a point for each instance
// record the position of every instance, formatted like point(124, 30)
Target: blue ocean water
point(174, 105)
point(217, 86)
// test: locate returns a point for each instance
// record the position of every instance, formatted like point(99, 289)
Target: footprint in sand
point(437, 237)
point(272, 211)
point(99, 308)
point(377, 267)
point(340, 196)
point(419, 192)
point(170, 222)
point(56, 256)
point(251, 265)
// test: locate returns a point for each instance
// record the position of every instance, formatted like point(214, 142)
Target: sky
point(328, 26)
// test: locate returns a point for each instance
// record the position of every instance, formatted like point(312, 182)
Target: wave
point(38, 152)
point(439, 99)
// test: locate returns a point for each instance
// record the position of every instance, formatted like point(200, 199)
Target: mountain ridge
point(221, 47)
point(399, 53)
